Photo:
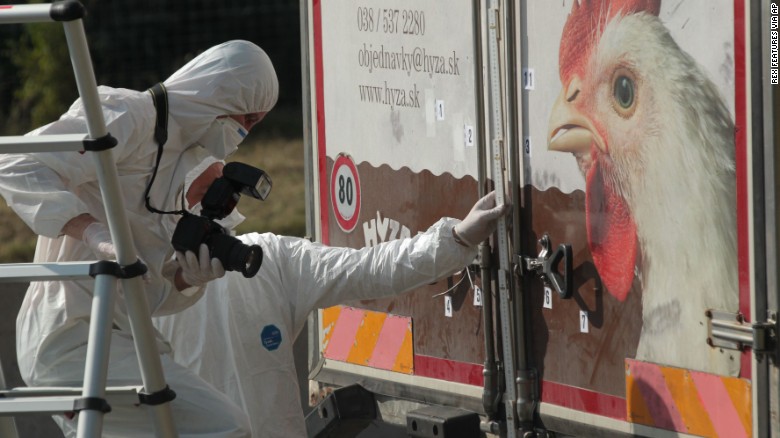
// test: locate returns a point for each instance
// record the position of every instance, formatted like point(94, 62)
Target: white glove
point(97, 237)
point(481, 221)
point(199, 270)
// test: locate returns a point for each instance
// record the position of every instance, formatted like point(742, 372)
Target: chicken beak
point(569, 130)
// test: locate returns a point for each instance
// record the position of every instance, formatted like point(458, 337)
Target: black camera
point(218, 202)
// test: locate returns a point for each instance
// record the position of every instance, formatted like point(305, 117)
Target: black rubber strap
point(100, 144)
point(113, 268)
point(157, 398)
point(91, 404)
point(136, 269)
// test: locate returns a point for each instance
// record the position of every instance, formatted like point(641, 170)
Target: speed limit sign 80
point(345, 192)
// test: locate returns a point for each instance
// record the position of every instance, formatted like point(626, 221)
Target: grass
point(282, 213)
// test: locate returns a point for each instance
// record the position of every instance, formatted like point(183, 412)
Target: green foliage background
point(136, 43)
point(41, 58)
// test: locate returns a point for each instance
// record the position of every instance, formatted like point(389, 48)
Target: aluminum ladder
point(93, 399)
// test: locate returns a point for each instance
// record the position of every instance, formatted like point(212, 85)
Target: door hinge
point(731, 331)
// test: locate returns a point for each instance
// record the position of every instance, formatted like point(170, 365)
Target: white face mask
point(222, 137)
point(231, 221)
point(196, 209)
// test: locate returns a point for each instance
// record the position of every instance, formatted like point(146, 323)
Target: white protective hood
point(233, 78)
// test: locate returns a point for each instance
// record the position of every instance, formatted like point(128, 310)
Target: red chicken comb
point(585, 25)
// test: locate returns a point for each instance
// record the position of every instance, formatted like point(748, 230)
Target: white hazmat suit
point(48, 189)
point(240, 335)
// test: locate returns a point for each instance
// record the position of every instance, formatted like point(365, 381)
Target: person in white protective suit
point(240, 335)
point(213, 101)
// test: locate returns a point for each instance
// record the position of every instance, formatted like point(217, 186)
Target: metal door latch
point(546, 266)
point(731, 331)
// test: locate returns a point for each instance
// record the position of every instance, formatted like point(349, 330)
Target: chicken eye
point(624, 91)
point(625, 86)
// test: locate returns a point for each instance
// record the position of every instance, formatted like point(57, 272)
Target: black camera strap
point(160, 99)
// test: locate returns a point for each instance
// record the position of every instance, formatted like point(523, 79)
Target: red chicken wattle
point(611, 233)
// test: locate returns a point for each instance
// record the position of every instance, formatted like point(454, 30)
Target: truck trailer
point(633, 289)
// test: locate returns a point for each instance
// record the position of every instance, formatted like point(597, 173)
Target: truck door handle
point(547, 266)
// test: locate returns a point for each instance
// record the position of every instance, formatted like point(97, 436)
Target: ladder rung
point(39, 405)
point(42, 143)
point(25, 13)
point(24, 272)
point(65, 10)
point(28, 400)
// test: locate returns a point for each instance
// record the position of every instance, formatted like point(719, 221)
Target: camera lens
point(252, 260)
point(234, 255)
